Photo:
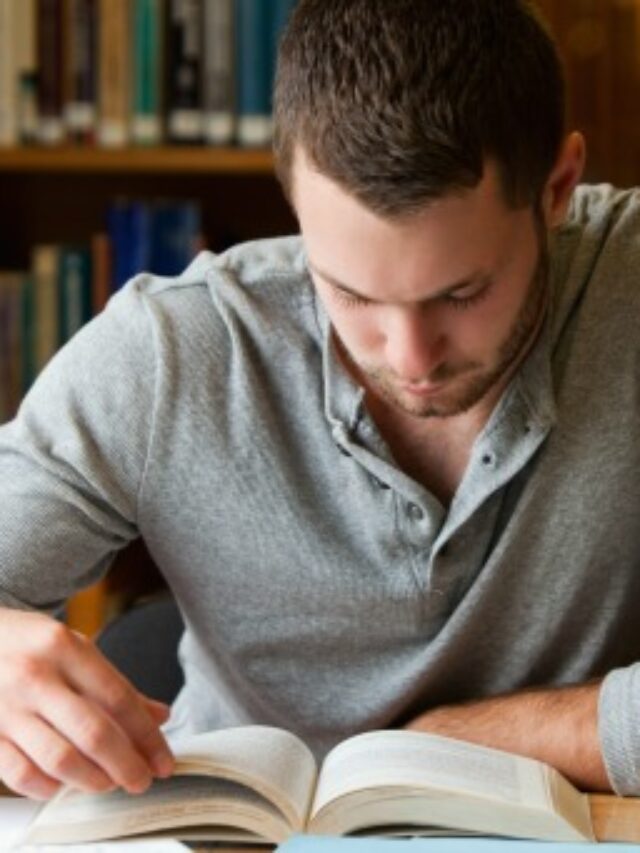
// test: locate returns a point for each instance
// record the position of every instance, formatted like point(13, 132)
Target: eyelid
point(469, 291)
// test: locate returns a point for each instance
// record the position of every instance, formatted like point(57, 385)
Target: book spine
point(5, 346)
point(175, 236)
point(80, 100)
point(129, 230)
point(114, 72)
point(74, 292)
point(253, 68)
point(25, 40)
point(46, 260)
point(8, 76)
point(280, 13)
point(49, 41)
point(147, 121)
point(184, 71)
point(101, 274)
point(28, 333)
point(219, 72)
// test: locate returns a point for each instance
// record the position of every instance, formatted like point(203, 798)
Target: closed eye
point(467, 299)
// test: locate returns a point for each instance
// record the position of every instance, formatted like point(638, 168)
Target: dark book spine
point(49, 28)
point(184, 70)
point(80, 106)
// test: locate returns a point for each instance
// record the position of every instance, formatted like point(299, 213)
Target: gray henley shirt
point(323, 589)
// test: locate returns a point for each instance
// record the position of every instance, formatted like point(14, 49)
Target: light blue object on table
point(327, 844)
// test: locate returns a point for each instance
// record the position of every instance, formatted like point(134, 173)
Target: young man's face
point(432, 311)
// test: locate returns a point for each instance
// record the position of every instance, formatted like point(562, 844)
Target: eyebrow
point(476, 277)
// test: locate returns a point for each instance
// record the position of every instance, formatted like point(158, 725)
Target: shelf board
point(170, 160)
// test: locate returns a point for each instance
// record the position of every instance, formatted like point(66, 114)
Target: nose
point(414, 345)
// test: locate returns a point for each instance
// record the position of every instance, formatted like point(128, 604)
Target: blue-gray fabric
point(323, 589)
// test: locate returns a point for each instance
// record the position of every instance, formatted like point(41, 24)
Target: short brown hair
point(402, 101)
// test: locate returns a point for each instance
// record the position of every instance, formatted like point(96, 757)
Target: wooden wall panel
point(599, 41)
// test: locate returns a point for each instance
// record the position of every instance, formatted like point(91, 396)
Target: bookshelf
point(169, 159)
point(60, 195)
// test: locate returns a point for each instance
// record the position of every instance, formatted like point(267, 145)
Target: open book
point(260, 784)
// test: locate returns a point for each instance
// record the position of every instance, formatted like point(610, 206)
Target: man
point(388, 469)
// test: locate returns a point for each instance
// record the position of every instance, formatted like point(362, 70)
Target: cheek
point(359, 329)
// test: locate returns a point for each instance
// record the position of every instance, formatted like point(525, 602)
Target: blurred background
point(135, 132)
point(600, 44)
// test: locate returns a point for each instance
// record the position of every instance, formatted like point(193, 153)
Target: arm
point(71, 469)
point(556, 725)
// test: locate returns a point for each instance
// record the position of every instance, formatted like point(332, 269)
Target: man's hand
point(557, 726)
point(67, 716)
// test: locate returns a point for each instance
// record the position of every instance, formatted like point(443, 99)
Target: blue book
point(129, 230)
point(174, 237)
point(280, 13)
point(253, 72)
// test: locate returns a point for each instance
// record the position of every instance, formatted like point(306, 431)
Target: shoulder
point(224, 315)
point(251, 282)
point(594, 253)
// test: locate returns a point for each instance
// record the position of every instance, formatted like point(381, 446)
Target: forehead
point(451, 239)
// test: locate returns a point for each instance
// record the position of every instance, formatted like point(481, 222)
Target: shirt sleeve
point(619, 729)
point(72, 461)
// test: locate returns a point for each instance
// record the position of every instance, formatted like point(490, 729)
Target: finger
point(97, 736)
point(159, 711)
point(56, 757)
point(20, 774)
point(89, 672)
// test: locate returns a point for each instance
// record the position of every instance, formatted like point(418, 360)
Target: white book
point(256, 784)
point(219, 71)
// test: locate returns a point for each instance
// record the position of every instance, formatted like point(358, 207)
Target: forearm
point(558, 726)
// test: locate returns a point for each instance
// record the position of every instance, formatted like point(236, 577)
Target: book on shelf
point(159, 236)
point(18, 110)
point(8, 89)
point(257, 784)
point(184, 71)
point(114, 72)
point(218, 82)
point(49, 20)
point(148, 59)
point(11, 321)
point(45, 265)
point(79, 84)
point(253, 72)
point(43, 307)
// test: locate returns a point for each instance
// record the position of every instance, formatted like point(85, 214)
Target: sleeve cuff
point(619, 729)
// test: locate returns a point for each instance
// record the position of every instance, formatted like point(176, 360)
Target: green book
point(147, 117)
point(74, 291)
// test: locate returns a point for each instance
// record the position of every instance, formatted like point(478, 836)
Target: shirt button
point(415, 512)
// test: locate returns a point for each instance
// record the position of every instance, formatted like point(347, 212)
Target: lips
point(421, 389)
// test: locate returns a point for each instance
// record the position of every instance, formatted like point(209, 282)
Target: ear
point(564, 178)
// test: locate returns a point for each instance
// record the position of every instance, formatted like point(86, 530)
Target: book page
point(170, 804)
point(420, 760)
point(272, 761)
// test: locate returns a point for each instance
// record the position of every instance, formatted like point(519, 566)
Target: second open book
point(262, 784)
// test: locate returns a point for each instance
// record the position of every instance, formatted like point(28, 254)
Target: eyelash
point(347, 299)
point(456, 302)
point(460, 303)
